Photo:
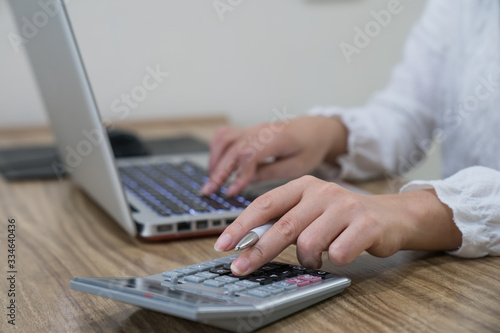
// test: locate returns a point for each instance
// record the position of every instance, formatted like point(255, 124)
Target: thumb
point(284, 168)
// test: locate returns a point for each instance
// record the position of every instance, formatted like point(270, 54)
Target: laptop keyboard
point(173, 189)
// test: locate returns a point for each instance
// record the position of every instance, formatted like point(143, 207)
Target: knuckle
point(366, 221)
point(329, 189)
point(304, 181)
point(307, 179)
point(245, 156)
point(306, 244)
point(263, 203)
point(369, 220)
point(338, 256)
point(355, 206)
point(286, 228)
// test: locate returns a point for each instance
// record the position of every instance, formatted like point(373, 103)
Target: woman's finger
point(318, 236)
point(222, 140)
point(265, 208)
point(283, 233)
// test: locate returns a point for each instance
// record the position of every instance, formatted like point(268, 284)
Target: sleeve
point(473, 194)
point(396, 125)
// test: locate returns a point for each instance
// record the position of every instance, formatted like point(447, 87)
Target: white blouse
point(446, 90)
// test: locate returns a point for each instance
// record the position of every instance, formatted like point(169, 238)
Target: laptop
point(151, 197)
point(154, 197)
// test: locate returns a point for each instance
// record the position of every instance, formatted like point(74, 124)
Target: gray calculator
point(210, 294)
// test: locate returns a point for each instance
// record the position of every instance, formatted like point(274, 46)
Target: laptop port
point(228, 222)
point(164, 228)
point(183, 226)
point(216, 223)
point(203, 224)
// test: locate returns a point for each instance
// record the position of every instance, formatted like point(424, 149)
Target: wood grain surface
point(62, 234)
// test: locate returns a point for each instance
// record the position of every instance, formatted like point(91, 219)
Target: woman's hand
point(295, 148)
point(319, 216)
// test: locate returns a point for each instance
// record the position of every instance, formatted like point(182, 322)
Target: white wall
point(259, 56)
point(262, 55)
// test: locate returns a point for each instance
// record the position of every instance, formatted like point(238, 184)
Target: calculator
point(210, 294)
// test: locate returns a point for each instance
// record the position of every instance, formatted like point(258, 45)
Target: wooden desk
point(61, 234)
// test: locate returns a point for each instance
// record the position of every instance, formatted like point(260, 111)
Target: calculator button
point(227, 260)
point(171, 274)
point(206, 275)
point(226, 279)
point(258, 272)
point(298, 282)
point(227, 266)
point(214, 283)
point(324, 275)
point(275, 277)
point(235, 288)
point(263, 280)
point(309, 277)
point(284, 273)
point(286, 285)
point(279, 264)
point(213, 264)
point(301, 269)
point(220, 271)
point(200, 267)
point(259, 293)
point(273, 289)
point(186, 271)
point(248, 284)
point(268, 268)
point(239, 277)
point(195, 279)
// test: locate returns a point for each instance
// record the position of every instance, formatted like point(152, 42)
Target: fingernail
point(240, 266)
point(223, 242)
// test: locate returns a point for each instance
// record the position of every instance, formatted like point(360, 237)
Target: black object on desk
point(35, 162)
point(127, 144)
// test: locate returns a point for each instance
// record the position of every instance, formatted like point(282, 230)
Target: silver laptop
point(150, 197)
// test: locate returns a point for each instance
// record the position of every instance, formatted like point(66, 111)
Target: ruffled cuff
point(473, 195)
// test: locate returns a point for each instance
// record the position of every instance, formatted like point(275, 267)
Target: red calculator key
point(309, 277)
point(298, 282)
